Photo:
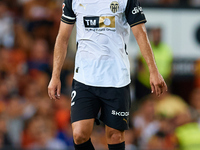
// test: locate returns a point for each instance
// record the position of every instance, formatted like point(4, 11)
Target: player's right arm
point(60, 52)
point(67, 23)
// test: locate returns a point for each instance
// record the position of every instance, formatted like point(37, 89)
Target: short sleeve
point(68, 15)
point(134, 13)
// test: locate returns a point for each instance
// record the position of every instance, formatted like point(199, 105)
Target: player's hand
point(54, 88)
point(157, 83)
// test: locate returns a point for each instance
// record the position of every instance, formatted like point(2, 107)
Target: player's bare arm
point(60, 51)
point(157, 82)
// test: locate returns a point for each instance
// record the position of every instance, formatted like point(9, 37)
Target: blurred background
point(29, 120)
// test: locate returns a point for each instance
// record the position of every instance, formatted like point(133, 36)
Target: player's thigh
point(114, 136)
point(84, 104)
point(115, 108)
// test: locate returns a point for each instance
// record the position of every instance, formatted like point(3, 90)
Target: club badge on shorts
point(114, 6)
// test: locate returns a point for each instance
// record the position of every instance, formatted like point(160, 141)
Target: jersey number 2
point(73, 96)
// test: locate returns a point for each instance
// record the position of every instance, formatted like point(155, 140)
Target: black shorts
point(114, 104)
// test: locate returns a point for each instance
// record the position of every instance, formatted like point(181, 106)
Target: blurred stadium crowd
point(171, 3)
point(30, 120)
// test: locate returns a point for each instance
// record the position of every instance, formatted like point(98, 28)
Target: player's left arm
point(136, 19)
point(157, 82)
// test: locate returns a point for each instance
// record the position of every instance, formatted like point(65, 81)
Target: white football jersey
point(103, 28)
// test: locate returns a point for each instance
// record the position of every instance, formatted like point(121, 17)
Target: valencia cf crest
point(114, 6)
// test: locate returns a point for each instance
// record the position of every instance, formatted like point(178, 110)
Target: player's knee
point(80, 137)
point(115, 136)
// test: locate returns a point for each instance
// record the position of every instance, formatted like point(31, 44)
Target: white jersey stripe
point(68, 17)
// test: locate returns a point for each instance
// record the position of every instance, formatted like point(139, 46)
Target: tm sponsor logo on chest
point(102, 23)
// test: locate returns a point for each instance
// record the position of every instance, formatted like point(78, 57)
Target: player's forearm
point(147, 53)
point(146, 49)
point(60, 52)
